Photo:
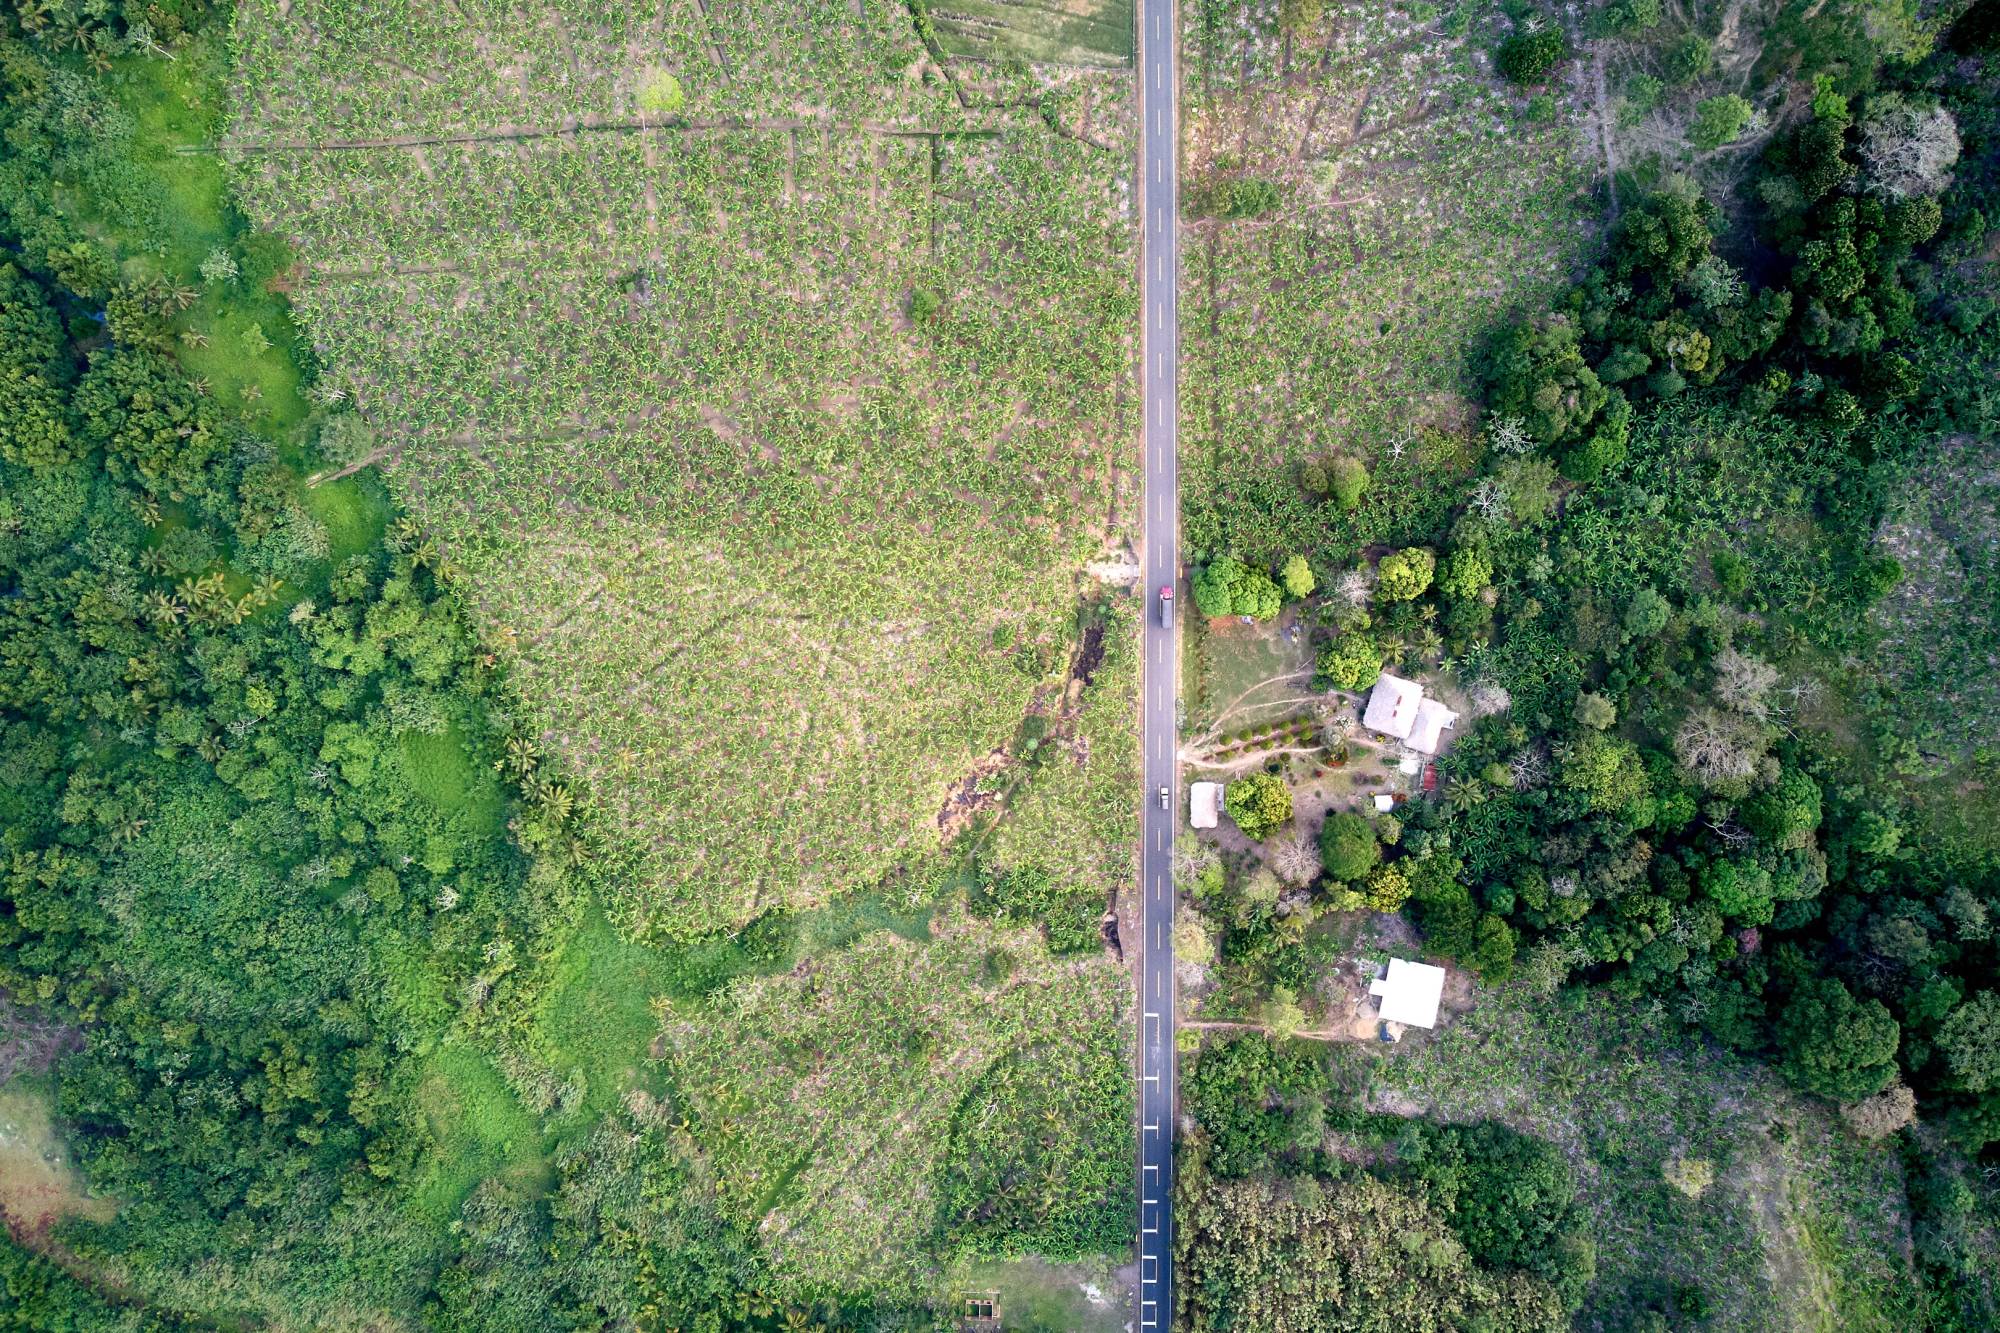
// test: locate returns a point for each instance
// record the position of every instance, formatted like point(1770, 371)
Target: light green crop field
point(1416, 199)
point(854, 1109)
point(1071, 32)
point(631, 291)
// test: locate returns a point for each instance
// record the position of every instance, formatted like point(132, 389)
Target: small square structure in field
point(1410, 994)
point(1204, 804)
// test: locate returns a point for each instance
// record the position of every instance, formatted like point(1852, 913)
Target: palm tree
point(520, 756)
point(163, 609)
point(34, 15)
point(1466, 793)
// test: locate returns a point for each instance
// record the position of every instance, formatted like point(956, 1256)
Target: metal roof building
point(1397, 707)
point(1204, 803)
point(1410, 994)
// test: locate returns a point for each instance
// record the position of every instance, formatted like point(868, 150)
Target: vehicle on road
point(1167, 607)
point(1166, 801)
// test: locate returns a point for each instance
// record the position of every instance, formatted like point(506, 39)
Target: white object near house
point(1384, 802)
point(1397, 707)
point(1410, 994)
point(1204, 803)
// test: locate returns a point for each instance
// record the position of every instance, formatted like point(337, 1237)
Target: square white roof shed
point(1410, 994)
point(1204, 801)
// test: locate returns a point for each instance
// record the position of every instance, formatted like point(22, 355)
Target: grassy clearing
point(597, 1016)
point(38, 1184)
point(749, 534)
point(1253, 673)
point(354, 511)
point(1407, 198)
point(1945, 533)
point(478, 1130)
point(1803, 1227)
point(1040, 1297)
point(442, 768)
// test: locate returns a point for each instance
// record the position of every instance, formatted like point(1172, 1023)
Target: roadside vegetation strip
point(873, 388)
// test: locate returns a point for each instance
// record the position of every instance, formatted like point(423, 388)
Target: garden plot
point(1416, 199)
point(840, 1106)
point(747, 519)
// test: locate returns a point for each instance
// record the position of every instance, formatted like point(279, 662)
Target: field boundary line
point(592, 124)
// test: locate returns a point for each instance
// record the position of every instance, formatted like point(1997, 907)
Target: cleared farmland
point(1365, 196)
point(758, 382)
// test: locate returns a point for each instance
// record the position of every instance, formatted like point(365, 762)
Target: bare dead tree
point(1716, 746)
point(1293, 859)
point(1907, 150)
point(1744, 683)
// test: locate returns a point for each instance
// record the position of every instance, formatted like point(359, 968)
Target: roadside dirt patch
point(970, 796)
point(38, 1184)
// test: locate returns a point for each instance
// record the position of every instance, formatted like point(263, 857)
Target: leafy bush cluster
point(1453, 1222)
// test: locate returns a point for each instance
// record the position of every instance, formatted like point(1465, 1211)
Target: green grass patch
point(1036, 1296)
point(244, 358)
point(478, 1129)
point(355, 513)
point(597, 1016)
point(1060, 32)
point(1253, 674)
point(441, 768)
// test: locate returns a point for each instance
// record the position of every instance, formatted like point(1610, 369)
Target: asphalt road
point(1159, 88)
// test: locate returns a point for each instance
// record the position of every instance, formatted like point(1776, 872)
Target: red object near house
point(1430, 778)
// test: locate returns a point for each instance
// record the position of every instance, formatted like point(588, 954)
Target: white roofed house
point(1397, 707)
point(1433, 720)
point(1410, 993)
point(1204, 803)
point(1392, 706)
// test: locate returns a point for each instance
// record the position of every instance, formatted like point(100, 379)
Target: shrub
point(1836, 1045)
point(1877, 1117)
point(1690, 58)
point(1351, 662)
point(1405, 574)
point(1347, 847)
point(1260, 804)
point(1627, 18)
point(1347, 481)
point(1227, 586)
point(1719, 120)
point(1528, 57)
point(662, 95)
